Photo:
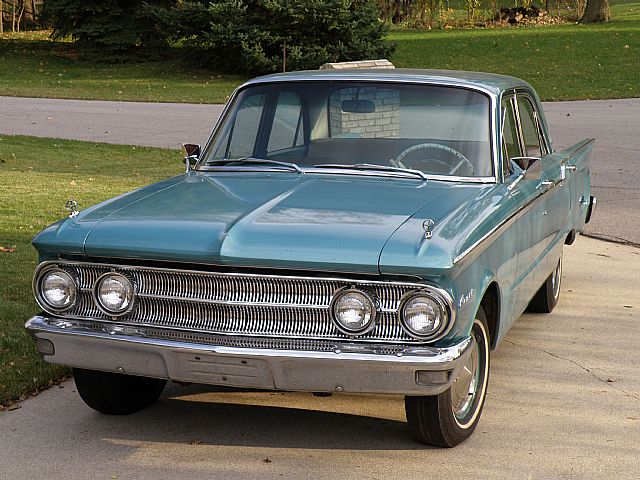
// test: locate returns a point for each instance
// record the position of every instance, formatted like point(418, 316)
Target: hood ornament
point(72, 208)
point(428, 225)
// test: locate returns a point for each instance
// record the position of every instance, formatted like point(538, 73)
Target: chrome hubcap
point(556, 278)
point(465, 387)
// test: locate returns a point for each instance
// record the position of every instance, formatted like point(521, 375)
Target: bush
point(251, 36)
point(111, 30)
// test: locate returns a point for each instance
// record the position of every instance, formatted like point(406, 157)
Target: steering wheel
point(435, 146)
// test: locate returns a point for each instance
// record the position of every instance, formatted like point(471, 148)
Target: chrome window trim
point(354, 78)
point(435, 291)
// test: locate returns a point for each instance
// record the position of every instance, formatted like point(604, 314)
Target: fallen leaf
point(7, 250)
point(266, 460)
point(14, 406)
point(627, 306)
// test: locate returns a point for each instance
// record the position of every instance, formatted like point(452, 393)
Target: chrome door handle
point(570, 168)
point(548, 185)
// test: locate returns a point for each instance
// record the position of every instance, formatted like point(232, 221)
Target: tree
point(110, 30)
point(596, 11)
point(254, 36)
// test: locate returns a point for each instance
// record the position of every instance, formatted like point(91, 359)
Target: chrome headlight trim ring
point(374, 311)
point(41, 300)
point(98, 301)
point(442, 299)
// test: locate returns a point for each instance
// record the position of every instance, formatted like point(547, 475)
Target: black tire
point(115, 393)
point(432, 419)
point(545, 299)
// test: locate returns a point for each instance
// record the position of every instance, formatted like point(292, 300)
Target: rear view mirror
point(191, 154)
point(358, 106)
point(532, 166)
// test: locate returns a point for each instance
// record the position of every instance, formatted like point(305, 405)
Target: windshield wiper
point(251, 160)
point(370, 166)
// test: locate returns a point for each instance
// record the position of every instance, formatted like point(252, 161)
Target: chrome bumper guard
point(350, 367)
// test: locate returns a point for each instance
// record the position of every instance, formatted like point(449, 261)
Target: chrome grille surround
point(239, 304)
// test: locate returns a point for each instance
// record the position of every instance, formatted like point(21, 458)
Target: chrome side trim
point(347, 368)
point(497, 229)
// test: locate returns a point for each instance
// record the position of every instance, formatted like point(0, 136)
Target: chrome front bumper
point(350, 367)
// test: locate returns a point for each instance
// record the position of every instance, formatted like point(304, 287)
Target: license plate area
point(222, 370)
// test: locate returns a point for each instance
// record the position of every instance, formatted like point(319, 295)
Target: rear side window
point(287, 130)
point(510, 145)
point(530, 131)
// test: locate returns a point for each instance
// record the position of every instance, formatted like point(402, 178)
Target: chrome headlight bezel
point(38, 290)
point(444, 303)
point(125, 280)
point(338, 295)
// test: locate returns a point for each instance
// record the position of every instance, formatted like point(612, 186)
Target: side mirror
point(191, 154)
point(532, 167)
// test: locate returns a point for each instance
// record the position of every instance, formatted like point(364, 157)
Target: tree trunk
point(1, 16)
point(596, 11)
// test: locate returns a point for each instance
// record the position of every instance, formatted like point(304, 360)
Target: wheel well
point(491, 305)
point(571, 237)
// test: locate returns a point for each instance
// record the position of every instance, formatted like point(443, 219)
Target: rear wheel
point(115, 393)
point(547, 297)
point(447, 419)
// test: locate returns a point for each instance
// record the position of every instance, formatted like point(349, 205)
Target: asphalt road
point(563, 403)
point(614, 123)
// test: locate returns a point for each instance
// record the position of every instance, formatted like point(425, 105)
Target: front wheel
point(448, 419)
point(116, 393)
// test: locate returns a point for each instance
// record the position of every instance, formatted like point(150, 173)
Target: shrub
point(252, 36)
point(111, 30)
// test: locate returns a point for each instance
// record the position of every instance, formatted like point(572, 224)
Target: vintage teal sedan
point(362, 231)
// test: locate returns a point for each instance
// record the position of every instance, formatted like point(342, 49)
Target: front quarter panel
point(469, 249)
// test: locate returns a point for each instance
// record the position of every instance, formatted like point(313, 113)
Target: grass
point(37, 177)
point(34, 66)
point(563, 62)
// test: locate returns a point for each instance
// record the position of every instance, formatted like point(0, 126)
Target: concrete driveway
point(614, 124)
point(563, 403)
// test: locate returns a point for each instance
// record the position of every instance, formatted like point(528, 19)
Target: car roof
point(490, 82)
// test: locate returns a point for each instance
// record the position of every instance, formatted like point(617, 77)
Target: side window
point(510, 145)
point(528, 123)
point(287, 130)
point(245, 128)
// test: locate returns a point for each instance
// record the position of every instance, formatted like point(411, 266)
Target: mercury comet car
point(361, 231)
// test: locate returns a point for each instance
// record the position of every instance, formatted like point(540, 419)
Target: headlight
point(56, 289)
point(353, 311)
point(114, 294)
point(424, 316)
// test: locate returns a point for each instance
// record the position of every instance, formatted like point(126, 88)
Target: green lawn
point(37, 177)
point(34, 66)
point(563, 62)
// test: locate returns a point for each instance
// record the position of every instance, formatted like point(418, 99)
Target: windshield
point(436, 130)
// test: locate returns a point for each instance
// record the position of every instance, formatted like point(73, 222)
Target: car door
point(556, 202)
point(530, 227)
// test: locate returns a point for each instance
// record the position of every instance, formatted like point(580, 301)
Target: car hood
point(274, 220)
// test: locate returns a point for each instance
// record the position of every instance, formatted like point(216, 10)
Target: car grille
point(240, 304)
